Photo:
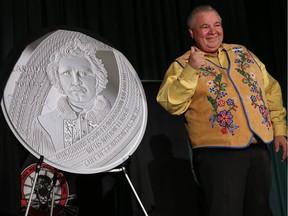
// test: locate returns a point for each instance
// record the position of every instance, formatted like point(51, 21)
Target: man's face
point(207, 31)
point(77, 79)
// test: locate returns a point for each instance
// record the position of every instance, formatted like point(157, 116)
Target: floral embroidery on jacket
point(220, 115)
point(257, 101)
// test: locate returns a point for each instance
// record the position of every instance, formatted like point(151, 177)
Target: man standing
point(233, 108)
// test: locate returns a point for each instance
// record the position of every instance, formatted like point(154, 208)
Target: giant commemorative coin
point(76, 101)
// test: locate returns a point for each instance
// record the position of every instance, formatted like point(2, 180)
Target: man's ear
point(191, 32)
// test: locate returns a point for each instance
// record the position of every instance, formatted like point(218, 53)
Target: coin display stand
point(37, 171)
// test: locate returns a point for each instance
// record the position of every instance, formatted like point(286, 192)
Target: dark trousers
point(236, 182)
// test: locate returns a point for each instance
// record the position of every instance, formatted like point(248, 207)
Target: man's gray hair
point(202, 8)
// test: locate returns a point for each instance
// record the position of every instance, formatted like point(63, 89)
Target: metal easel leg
point(38, 167)
point(131, 185)
point(53, 191)
point(134, 191)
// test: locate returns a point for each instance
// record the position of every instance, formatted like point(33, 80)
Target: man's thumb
point(193, 49)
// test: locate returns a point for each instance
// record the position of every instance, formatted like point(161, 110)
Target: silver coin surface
point(76, 101)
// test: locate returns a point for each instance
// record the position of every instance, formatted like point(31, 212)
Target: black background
point(150, 33)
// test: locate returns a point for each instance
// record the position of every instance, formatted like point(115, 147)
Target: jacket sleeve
point(178, 87)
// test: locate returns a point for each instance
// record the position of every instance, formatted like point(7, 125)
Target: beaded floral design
point(257, 101)
point(222, 109)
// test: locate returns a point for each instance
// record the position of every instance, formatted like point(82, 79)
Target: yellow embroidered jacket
point(228, 102)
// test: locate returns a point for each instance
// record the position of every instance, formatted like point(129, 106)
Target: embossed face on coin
point(77, 79)
point(76, 101)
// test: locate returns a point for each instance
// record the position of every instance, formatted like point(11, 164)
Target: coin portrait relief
point(76, 101)
point(80, 76)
